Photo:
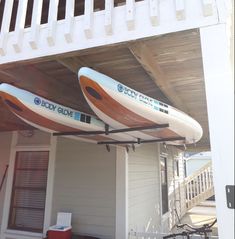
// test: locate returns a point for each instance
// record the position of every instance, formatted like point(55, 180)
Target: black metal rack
point(124, 130)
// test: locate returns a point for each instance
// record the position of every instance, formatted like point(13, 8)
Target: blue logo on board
point(37, 101)
point(120, 88)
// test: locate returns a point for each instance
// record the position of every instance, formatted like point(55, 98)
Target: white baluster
point(201, 183)
point(191, 192)
point(180, 9)
point(52, 22)
point(211, 178)
point(194, 189)
point(19, 25)
point(35, 24)
point(154, 12)
point(207, 179)
point(130, 14)
point(69, 18)
point(198, 192)
point(5, 26)
point(204, 181)
point(109, 4)
point(207, 7)
point(188, 192)
point(89, 18)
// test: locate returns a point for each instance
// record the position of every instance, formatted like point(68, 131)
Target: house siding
point(144, 189)
point(176, 194)
point(5, 148)
point(145, 213)
point(84, 184)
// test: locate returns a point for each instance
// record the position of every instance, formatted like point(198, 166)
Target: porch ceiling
point(168, 68)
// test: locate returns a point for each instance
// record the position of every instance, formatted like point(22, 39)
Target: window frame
point(14, 189)
point(51, 146)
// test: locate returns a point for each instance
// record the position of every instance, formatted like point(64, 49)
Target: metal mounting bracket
point(230, 196)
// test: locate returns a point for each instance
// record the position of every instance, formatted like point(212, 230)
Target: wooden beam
point(38, 82)
point(70, 63)
point(150, 64)
point(75, 63)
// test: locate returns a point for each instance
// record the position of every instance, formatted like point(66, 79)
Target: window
point(29, 191)
point(164, 184)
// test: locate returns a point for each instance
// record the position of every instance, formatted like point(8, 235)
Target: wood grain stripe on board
point(35, 118)
point(117, 111)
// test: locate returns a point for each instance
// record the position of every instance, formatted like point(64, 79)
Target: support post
point(220, 104)
point(121, 193)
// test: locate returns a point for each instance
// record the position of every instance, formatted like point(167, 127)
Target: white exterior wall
point(84, 185)
point(144, 204)
point(145, 189)
point(5, 147)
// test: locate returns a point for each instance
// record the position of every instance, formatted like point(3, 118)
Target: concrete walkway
point(205, 213)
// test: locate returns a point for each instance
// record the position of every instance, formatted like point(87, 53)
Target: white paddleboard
point(52, 117)
point(120, 106)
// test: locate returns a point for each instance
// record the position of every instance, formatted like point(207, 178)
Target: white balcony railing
point(39, 28)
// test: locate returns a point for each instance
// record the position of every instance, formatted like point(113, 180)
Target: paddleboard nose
point(8, 97)
point(84, 71)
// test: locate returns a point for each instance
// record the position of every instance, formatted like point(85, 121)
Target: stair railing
point(199, 186)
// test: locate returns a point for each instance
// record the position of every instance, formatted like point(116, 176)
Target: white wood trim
point(96, 30)
point(5, 233)
point(154, 12)
point(19, 25)
point(50, 184)
point(88, 18)
point(130, 14)
point(108, 17)
point(35, 24)
point(207, 7)
point(121, 193)
point(219, 84)
point(5, 26)
point(180, 9)
point(69, 18)
point(9, 181)
point(52, 22)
